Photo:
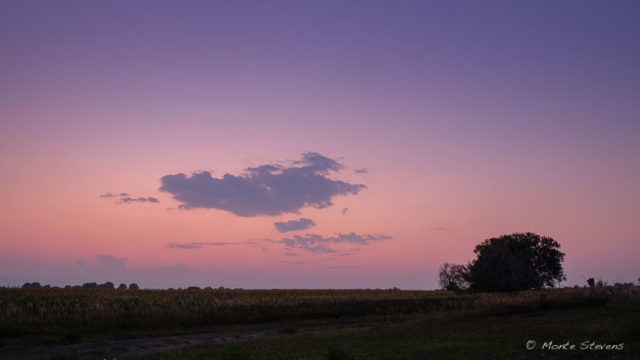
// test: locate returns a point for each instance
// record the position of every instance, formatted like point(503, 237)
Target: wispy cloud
point(125, 198)
point(270, 189)
point(293, 225)
point(108, 261)
point(292, 262)
point(319, 244)
point(141, 199)
point(361, 171)
point(110, 195)
point(343, 267)
point(197, 245)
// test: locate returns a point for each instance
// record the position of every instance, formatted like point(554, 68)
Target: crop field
point(53, 317)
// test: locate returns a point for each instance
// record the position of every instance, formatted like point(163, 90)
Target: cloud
point(343, 267)
point(197, 245)
point(109, 261)
point(440, 228)
point(110, 195)
point(139, 199)
point(319, 244)
point(293, 225)
point(269, 189)
point(292, 262)
point(344, 211)
point(125, 198)
point(361, 171)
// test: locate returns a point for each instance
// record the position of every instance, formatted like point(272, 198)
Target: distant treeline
point(110, 285)
point(90, 285)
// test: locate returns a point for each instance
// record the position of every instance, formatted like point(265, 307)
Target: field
point(323, 324)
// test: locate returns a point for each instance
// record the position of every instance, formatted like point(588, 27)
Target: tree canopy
point(517, 261)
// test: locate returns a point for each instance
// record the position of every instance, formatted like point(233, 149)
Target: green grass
point(453, 335)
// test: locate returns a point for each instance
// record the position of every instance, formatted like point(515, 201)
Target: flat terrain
point(317, 324)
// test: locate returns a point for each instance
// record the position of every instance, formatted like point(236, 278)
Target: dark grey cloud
point(293, 225)
point(319, 244)
point(125, 198)
point(361, 171)
point(197, 245)
point(269, 189)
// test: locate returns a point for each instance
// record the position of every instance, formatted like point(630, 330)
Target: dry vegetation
point(36, 312)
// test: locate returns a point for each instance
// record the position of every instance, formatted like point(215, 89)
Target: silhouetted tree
point(107, 285)
point(133, 286)
point(517, 261)
point(454, 276)
point(591, 282)
point(122, 286)
point(90, 285)
point(32, 285)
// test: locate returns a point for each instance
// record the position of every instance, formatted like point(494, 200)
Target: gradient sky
point(471, 119)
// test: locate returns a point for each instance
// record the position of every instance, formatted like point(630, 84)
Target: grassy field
point(399, 324)
point(457, 335)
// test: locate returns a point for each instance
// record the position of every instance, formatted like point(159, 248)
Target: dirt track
point(117, 349)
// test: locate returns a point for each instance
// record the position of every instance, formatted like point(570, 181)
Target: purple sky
point(473, 118)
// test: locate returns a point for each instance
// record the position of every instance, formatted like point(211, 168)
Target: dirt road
point(117, 349)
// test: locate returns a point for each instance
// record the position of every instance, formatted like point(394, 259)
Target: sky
point(314, 144)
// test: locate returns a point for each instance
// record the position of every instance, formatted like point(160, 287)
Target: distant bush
point(91, 285)
point(107, 285)
point(32, 285)
point(454, 277)
point(133, 286)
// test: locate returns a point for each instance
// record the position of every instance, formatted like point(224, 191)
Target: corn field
point(42, 311)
